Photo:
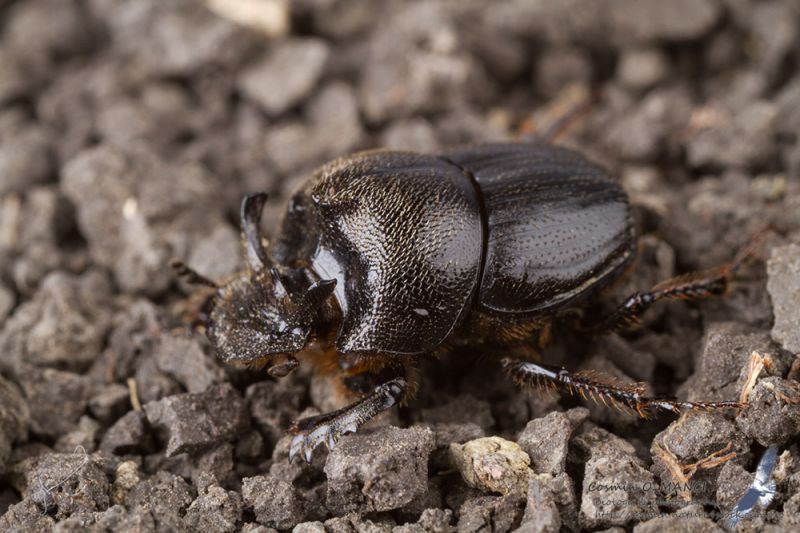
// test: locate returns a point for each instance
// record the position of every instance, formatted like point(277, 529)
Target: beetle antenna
point(576, 110)
point(189, 274)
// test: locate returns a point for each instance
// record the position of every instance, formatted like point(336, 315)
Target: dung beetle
point(386, 257)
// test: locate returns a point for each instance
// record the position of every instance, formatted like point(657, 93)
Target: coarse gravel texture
point(129, 131)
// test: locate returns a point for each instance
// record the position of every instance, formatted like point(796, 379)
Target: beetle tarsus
point(327, 428)
point(599, 388)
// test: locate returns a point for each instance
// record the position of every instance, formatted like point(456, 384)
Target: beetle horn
point(250, 214)
point(280, 288)
point(319, 292)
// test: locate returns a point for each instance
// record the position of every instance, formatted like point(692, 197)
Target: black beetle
point(388, 256)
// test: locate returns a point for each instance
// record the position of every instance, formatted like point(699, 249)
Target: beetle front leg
point(592, 385)
point(312, 431)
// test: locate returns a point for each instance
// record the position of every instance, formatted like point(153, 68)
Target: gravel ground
point(129, 131)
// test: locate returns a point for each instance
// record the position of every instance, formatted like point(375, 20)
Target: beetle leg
point(691, 286)
point(327, 428)
point(191, 275)
point(630, 397)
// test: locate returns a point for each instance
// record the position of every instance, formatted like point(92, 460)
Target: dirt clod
point(378, 471)
point(616, 485)
point(198, 421)
point(772, 415)
point(275, 503)
point(783, 285)
point(131, 129)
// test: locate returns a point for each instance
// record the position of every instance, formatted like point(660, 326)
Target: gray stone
point(721, 369)
point(541, 511)
point(183, 359)
point(791, 513)
point(215, 510)
point(292, 146)
point(64, 484)
point(134, 333)
point(414, 57)
point(127, 435)
point(36, 231)
point(560, 67)
point(652, 20)
point(273, 406)
point(741, 136)
point(165, 497)
point(195, 422)
point(416, 134)
point(135, 220)
point(71, 30)
point(115, 518)
point(618, 22)
point(772, 413)
point(14, 419)
point(546, 439)
point(153, 385)
point(617, 488)
point(732, 483)
point(783, 284)
point(642, 68)
point(686, 519)
point(25, 161)
point(309, 527)
point(57, 399)
point(286, 75)
point(213, 467)
point(7, 301)
point(430, 521)
point(26, 516)
point(15, 78)
point(334, 116)
point(182, 38)
point(378, 471)
point(83, 437)
point(217, 254)
point(111, 401)
point(491, 513)
point(693, 438)
point(63, 325)
point(275, 502)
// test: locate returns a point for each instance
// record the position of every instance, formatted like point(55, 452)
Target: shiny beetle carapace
point(389, 256)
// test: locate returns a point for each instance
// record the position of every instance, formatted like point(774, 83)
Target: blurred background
point(175, 108)
point(129, 131)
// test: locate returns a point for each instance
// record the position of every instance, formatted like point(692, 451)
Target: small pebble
point(492, 464)
point(195, 422)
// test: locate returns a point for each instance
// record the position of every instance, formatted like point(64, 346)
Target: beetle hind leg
point(627, 397)
point(691, 286)
point(327, 428)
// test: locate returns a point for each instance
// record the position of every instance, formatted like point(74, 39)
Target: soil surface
point(129, 131)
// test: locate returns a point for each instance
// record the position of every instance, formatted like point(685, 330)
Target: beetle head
point(254, 317)
point(266, 311)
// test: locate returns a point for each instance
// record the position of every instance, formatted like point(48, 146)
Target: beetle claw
point(327, 428)
point(305, 442)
